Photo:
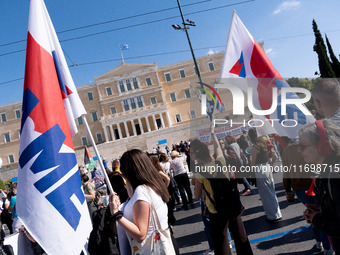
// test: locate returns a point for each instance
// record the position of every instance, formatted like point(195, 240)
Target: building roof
point(124, 68)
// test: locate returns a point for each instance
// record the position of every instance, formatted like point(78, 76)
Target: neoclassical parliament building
point(131, 106)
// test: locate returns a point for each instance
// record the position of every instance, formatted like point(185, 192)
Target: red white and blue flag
point(245, 59)
point(50, 199)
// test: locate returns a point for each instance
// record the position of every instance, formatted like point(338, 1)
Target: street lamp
point(185, 28)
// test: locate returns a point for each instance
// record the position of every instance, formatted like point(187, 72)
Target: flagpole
point(108, 183)
point(121, 53)
point(228, 43)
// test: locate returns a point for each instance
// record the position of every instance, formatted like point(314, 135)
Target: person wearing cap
point(181, 178)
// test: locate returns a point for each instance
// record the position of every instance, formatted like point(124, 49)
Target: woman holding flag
point(146, 190)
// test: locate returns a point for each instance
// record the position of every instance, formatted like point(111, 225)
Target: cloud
point(270, 50)
point(287, 5)
point(211, 52)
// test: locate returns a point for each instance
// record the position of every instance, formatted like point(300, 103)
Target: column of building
point(147, 121)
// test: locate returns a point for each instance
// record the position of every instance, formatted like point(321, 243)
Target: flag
point(210, 108)
point(245, 59)
point(220, 107)
point(87, 156)
point(124, 46)
point(199, 98)
point(50, 199)
point(88, 160)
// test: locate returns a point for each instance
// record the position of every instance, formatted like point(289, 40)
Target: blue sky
point(284, 26)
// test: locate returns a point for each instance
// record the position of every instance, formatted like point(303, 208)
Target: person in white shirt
point(144, 186)
point(181, 178)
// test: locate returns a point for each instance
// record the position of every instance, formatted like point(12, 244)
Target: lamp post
point(190, 23)
point(178, 27)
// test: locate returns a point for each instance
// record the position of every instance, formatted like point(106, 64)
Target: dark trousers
point(183, 185)
point(336, 244)
point(219, 224)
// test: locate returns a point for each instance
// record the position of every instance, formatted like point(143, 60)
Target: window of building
point(167, 76)
point(187, 93)
point(178, 118)
point(108, 91)
point(94, 116)
point(153, 100)
point(3, 117)
point(140, 101)
point(172, 97)
point(10, 158)
point(126, 105)
point(113, 110)
point(135, 83)
point(128, 85)
point(80, 121)
point(84, 140)
point(133, 103)
point(148, 81)
point(182, 73)
point(7, 138)
point(192, 114)
point(121, 86)
point(90, 96)
point(17, 114)
point(99, 138)
point(211, 66)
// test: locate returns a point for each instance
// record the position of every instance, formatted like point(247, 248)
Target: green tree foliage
point(303, 83)
point(335, 62)
point(325, 66)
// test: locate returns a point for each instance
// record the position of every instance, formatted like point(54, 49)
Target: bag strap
point(211, 200)
point(154, 217)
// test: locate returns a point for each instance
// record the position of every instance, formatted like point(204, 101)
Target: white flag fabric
point(245, 59)
point(50, 199)
point(72, 103)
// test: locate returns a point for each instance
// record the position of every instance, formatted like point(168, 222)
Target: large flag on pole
point(50, 200)
point(245, 59)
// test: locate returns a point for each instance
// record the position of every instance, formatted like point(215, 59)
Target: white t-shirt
point(2, 203)
point(142, 194)
point(178, 166)
point(165, 167)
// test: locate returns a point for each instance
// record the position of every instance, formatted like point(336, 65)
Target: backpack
point(103, 238)
point(226, 196)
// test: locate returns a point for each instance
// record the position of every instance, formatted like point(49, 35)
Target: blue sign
point(162, 141)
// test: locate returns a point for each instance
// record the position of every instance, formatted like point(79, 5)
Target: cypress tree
point(325, 66)
point(335, 62)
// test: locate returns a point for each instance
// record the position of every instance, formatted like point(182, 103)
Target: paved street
point(291, 235)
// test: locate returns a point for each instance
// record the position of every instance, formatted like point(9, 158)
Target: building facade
point(131, 106)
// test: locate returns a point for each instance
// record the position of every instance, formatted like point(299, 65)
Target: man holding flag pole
point(50, 200)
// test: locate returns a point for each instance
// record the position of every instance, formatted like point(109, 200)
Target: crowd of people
point(150, 186)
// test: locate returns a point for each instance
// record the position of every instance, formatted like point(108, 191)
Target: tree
point(335, 62)
point(325, 66)
point(303, 83)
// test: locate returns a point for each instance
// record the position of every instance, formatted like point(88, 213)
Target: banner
point(221, 132)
